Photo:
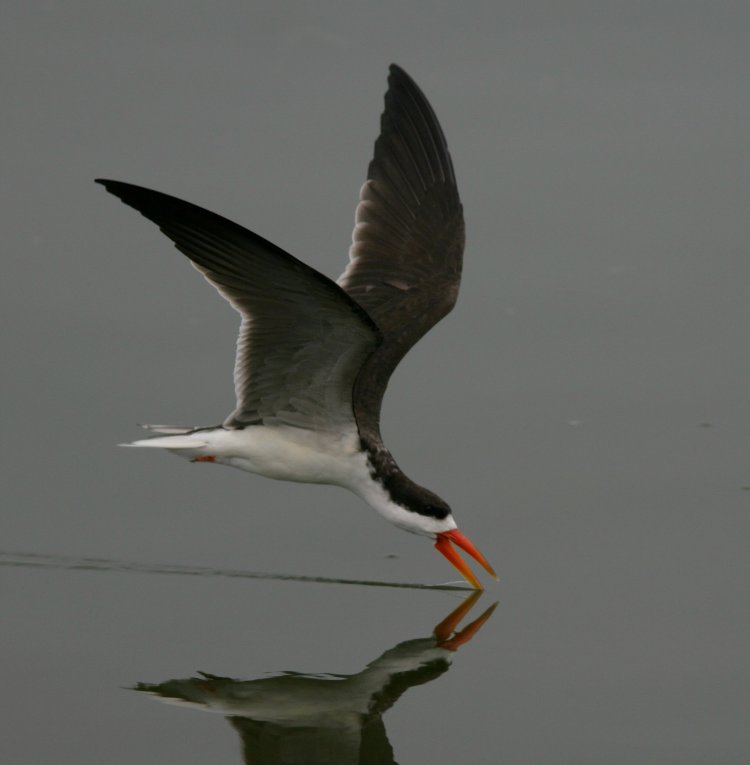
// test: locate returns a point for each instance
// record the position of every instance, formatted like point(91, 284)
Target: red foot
point(204, 458)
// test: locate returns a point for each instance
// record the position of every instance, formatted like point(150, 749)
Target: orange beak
point(443, 545)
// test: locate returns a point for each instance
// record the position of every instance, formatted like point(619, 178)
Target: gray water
point(592, 382)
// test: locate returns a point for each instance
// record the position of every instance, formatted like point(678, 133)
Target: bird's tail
point(169, 442)
point(173, 438)
point(169, 430)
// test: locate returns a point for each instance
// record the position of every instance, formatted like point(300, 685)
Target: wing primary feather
point(407, 245)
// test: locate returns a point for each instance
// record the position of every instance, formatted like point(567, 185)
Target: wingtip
point(108, 184)
point(395, 71)
point(118, 188)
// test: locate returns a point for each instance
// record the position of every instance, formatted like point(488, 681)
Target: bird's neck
point(389, 491)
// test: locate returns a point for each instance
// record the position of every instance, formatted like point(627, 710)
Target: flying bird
point(314, 356)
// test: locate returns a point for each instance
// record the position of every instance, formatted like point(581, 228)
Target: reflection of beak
point(446, 633)
point(443, 545)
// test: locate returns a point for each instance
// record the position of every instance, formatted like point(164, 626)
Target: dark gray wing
point(302, 339)
point(407, 250)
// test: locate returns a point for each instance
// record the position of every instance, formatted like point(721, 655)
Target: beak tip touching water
point(443, 546)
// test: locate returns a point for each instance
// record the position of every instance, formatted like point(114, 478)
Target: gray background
point(585, 408)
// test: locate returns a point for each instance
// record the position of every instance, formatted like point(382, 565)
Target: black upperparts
point(401, 489)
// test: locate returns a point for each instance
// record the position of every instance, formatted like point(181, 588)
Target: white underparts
point(294, 454)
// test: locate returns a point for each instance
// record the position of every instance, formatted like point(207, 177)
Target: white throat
point(374, 493)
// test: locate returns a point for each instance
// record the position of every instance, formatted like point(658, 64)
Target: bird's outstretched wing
point(302, 339)
point(407, 246)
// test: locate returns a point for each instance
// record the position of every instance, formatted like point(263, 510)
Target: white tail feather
point(170, 442)
point(167, 430)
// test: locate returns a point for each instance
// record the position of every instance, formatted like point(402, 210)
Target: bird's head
point(431, 516)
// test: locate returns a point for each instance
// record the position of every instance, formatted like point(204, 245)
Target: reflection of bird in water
point(314, 357)
point(299, 719)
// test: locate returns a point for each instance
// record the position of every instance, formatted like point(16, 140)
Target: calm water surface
point(311, 672)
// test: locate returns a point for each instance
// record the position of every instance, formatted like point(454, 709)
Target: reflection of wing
point(313, 700)
point(408, 239)
point(302, 339)
point(324, 718)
